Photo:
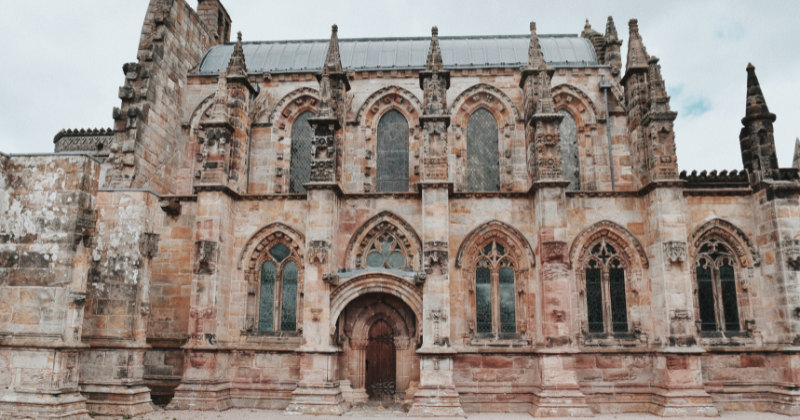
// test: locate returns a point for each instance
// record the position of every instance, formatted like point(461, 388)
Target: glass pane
point(483, 299)
point(730, 304)
point(280, 252)
point(396, 260)
point(267, 297)
point(483, 155)
point(375, 260)
point(705, 297)
point(594, 299)
point(300, 165)
point(570, 162)
point(289, 312)
point(392, 153)
point(619, 308)
point(508, 319)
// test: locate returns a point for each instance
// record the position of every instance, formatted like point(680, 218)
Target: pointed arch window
point(392, 153)
point(483, 155)
point(570, 160)
point(717, 298)
point(606, 302)
point(277, 310)
point(300, 165)
point(495, 296)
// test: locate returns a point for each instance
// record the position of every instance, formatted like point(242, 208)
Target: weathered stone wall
point(47, 213)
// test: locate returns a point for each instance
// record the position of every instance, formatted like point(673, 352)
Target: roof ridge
point(401, 38)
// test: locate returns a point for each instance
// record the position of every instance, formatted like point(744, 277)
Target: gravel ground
point(246, 414)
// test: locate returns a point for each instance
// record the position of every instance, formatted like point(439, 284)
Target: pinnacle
point(239, 36)
point(587, 26)
point(335, 28)
point(435, 31)
point(637, 53)
point(611, 29)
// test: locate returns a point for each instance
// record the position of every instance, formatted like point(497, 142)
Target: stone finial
point(237, 66)
point(637, 54)
point(434, 61)
point(796, 160)
point(611, 29)
point(535, 55)
point(658, 101)
point(756, 104)
point(333, 61)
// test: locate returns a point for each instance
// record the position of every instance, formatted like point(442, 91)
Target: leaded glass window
point(279, 281)
point(483, 299)
point(594, 297)
point(392, 153)
point(495, 292)
point(570, 161)
point(717, 297)
point(483, 155)
point(606, 301)
point(265, 310)
point(300, 165)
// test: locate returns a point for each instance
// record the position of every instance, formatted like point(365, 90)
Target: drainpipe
point(605, 86)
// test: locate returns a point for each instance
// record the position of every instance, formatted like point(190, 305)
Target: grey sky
point(61, 63)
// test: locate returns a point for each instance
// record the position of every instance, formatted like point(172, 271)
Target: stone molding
point(618, 234)
point(273, 231)
point(384, 221)
point(495, 228)
point(745, 252)
point(373, 282)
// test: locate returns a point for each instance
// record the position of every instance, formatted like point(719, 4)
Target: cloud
point(732, 32)
point(696, 107)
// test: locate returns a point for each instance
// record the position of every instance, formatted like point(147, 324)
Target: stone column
point(436, 394)
point(318, 391)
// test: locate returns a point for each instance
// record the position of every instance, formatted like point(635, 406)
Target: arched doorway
point(378, 342)
point(380, 365)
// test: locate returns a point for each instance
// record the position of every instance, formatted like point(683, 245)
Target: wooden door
point(381, 368)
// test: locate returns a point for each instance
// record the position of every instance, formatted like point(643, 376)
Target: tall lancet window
point(717, 297)
point(277, 309)
point(483, 156)
point(495, 296)
point(300, 166)
point(570, 162)
point(392, 153)
point(606, 302)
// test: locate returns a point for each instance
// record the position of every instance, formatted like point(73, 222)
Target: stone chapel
point(455, 224)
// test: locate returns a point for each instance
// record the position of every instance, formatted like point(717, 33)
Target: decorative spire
point(796, 160)
point(597, 40)
point(535, 55)
point(658, 101)
point(434, 62)
point(611, 29)
point(237, 66)
point(756, 104)
point(637, 54)
point(333, 61)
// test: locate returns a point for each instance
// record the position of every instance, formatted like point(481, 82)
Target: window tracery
point(604, 270)
point(717, 297)
point(280, 273)
point(495, 293)
point(386, 251)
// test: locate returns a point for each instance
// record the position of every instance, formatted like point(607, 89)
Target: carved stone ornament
point(791, 251)
point(205, 257)
point(148, 244)
point(435, 254)
point(331, 279)
point(419, 278)
point(318, 252)
point(675, 251)
point(679, 314)
point(554, 252)
point(77, 298)
point(144, 308)
point(171, 207)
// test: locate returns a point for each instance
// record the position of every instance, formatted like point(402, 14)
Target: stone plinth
point(318, 392)
point(436, 394)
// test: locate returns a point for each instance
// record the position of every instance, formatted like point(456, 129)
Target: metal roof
point(367, 54)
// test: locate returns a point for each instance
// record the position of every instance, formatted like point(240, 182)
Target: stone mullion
point(608, 323)
point(495, 296)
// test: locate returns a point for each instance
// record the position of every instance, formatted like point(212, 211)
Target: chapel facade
point(459, 224)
